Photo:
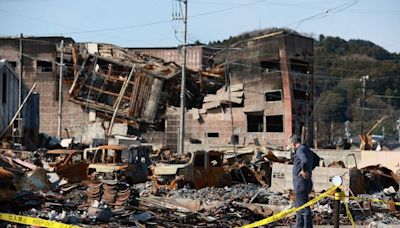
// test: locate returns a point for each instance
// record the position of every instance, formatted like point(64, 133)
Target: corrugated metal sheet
point(9, 81)
point(8, 95)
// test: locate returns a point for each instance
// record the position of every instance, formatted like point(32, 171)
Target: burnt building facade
point(270, 95)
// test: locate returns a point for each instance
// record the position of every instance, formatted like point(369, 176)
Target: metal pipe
point(336, 214)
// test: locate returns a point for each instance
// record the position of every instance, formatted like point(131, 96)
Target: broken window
point(274, 123)
point(300, 94)
point(273, 96)
point(44, 66)
point(255, 122)
point(13, 64)
point(215, 161)
point(300, 66)
point(213, 134)
point(270, 65)
point(4, 95)
point(199, 160)
point(235, 139)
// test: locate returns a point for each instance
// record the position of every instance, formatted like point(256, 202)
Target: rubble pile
point(191, 190)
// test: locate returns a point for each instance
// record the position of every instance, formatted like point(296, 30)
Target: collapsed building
point(259, 88)
point(269, 95)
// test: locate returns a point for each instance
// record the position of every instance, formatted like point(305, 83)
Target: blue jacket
point(302, 160)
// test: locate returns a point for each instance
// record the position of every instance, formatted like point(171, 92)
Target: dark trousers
point(301, 190)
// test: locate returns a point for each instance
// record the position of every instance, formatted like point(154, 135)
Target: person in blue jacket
point(302, 180)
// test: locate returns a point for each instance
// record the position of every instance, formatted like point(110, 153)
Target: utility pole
point(21, 62)
point(60, 90)
point(18, 133)
point(363, 79)
point(181, 136)
point(398, 128)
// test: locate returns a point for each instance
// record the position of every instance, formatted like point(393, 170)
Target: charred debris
point(138, 186)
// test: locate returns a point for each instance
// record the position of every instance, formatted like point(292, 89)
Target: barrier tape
point(33, 221)
point(285, 213)
point(345, 200)
point(373, 200)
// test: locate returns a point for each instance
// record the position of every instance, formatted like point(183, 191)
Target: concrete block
point(282, 178)
point(92, 131)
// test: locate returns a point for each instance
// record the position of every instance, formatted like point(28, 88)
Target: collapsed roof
point(137, 86)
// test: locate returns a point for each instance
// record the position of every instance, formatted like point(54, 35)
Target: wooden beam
point(117, 103)
point(114, 78)
point(106, 92)
point(74, 83)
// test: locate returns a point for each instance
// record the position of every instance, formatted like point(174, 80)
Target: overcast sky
point(149, 23)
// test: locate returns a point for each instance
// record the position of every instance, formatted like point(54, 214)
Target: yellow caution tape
point(285, 213)
point(33, 221)
point(329, 193)
point(372, 200)
point(368, 199)
point(345, 200)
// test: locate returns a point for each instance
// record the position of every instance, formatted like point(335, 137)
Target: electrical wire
point(325, 13)
point(155, 22)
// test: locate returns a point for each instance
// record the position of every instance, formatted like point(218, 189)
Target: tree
point(332, 107)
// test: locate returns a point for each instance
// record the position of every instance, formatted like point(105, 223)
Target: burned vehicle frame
point(203, 169)
point(114, 161)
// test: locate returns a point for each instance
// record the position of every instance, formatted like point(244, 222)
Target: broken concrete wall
point(98, 130)
point(389, 159)
point(273, 70)
point(214, 128)
point(300, 61)
point(196, 57)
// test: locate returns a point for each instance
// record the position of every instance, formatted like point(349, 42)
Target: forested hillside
point(341, 65)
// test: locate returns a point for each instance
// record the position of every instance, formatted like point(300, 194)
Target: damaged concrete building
point(270, 95)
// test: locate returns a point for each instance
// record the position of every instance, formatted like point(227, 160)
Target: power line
point(386, 96)
point(160, 21)
point(325, 13)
